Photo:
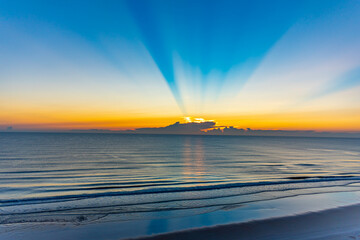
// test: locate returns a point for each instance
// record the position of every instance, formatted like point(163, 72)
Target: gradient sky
point(128, 64)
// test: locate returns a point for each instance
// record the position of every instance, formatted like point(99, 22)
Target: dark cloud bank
point(210, 128)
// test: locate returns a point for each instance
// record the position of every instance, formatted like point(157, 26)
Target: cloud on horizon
point(179, 128)
point(199, 126)
point(210, 128)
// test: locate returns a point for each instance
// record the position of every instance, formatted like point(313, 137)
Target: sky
point(291, 65)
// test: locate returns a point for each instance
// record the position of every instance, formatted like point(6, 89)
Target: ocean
point(79, 178)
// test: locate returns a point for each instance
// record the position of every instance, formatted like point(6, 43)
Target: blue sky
point(200, 55)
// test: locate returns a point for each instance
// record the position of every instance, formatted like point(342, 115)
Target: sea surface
point(85, 177)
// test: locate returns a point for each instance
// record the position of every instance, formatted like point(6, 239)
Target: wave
point(168, 190)
point(121, 212)
point(141, 204)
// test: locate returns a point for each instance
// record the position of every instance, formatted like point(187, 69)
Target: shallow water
point(79, 178)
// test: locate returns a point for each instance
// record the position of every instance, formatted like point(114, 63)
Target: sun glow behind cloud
point(196, 120)
point(108, 71)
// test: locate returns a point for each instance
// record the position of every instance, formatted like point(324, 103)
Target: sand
point(334, 224)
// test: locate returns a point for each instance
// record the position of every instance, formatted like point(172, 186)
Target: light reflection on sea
point(80, 178)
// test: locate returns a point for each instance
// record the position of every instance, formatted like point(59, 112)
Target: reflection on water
point(193, 158)
point(157, 226)
point(95, 177)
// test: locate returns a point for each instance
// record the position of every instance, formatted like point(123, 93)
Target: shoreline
point(331, 224)
point(330, 216)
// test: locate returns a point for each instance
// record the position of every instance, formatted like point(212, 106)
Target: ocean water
point(80, 178)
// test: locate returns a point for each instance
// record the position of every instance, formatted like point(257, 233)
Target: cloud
point(179, 128)
point(232, 131)
point(207, 127)
point(199, 126)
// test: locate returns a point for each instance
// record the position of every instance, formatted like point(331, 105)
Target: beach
point(334, 224)
point(334, 216)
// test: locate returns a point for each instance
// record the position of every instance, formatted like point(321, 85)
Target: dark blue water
point(70, 177)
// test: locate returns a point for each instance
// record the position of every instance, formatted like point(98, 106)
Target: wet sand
point(334, 224)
